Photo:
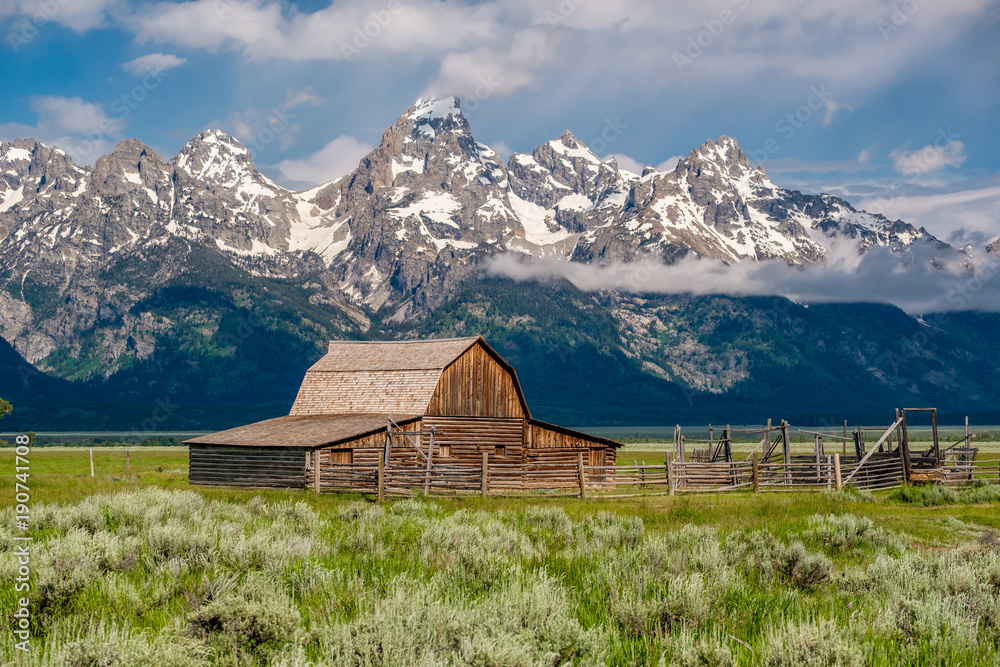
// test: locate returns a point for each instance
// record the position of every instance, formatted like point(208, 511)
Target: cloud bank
point(908, 280)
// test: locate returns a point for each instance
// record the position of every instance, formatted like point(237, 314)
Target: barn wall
point(366, 449)
point(547, 446)
point(247, 467)
point(476, 385)
point(470, 437)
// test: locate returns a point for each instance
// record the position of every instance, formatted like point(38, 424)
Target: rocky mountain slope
point(139, 269)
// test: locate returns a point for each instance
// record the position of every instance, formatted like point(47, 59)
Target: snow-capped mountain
point(395, 236)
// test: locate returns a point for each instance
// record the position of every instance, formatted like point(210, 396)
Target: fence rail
point(884, 471)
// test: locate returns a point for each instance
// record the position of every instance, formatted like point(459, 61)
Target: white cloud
point(928, 159)
point(344, 30)
point(77, 15)
point(908, 280)
point(863, 156)
point(502, 149)
point(78, 127)
point(944, 215)
point(488, 71)
point(258, 127)
point(337, 158)
point(630, 164)
point(154, 63)
point(832, 107)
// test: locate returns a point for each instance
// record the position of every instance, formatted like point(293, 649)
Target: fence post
point(583, 478)
point(128, 468)
point(836, 472)
point(670, 476)
point(381, 477)
point(485, 479)
point(91, 461)
point(317, 472)
point(756, 472)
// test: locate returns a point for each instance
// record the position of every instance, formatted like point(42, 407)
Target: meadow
point(139, 569)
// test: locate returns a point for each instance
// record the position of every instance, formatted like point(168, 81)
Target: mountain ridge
point(141, 273)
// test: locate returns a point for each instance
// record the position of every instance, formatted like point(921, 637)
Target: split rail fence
point(888, 463)
point(504, 479)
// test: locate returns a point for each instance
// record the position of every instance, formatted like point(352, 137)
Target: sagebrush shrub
point(812, 644)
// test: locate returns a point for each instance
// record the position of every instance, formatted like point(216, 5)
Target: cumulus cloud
point(80, 128)
point(944, 214)
point(488, 71)
point(928, 159)
point(629, 164)
point(832, 107)
point(863, 156)
point(154, 63)
point(77, 15)
point(337, 158)
point(908, 280)
point(258, 127)
point(344, 30)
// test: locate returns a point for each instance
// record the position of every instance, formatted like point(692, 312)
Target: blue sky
point(905, 95)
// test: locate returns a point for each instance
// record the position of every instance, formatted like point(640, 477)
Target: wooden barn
point(424, 404)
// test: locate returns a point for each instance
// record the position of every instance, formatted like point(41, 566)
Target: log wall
point(476, 385)
point(470, 437)
point(247, 467)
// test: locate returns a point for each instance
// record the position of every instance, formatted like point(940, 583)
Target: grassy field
point(140, 570)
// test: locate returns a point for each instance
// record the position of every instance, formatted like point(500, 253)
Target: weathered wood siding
point(550, 447)
point(546, 438)
point(247, 467)
point(470, 437)
point(365, 450)
point(476, 385)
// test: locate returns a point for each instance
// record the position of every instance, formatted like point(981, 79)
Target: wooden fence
point(884, 471)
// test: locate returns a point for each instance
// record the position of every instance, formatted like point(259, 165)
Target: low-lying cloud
point(909, 280)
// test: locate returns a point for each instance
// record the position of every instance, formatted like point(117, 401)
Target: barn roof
point(392, 377)
point(302, 432)
point(408, 355)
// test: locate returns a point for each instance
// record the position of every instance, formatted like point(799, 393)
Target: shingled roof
point(385, 377)
point(303, 432)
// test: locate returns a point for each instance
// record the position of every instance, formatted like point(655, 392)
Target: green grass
point(140, 569)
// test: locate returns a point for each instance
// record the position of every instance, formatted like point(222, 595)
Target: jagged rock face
point(417, 206)
point(563, 189)
point(715, 204)
point(220, 193)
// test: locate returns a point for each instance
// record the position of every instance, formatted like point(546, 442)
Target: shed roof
point(302, 432)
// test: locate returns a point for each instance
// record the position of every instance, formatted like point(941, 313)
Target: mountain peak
point(433, 108)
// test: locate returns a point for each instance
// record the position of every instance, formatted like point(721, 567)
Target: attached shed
point(363, 397)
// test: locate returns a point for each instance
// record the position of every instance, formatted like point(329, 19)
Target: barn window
point(444, 451)
point(342, 456)
point(501, 450)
